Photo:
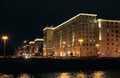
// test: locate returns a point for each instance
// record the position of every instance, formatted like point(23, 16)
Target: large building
point(83, 35)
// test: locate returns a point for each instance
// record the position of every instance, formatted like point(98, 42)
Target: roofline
point(74, 18)
point(108, 20)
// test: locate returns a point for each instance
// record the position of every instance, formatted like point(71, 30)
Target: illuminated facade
point(109, 37)
point(31, 47)
point(77, 36)
point(82, 36)
point(38, 46)
point(48, 41)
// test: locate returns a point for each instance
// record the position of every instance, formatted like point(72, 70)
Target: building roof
point(85, 14)
point(38, 39)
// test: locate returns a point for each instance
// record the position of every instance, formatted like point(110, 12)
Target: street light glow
point(80, 40)
point(64, 42)
point(97, 45)
point(5, 37)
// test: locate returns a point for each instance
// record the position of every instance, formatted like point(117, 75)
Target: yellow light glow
point(5, 37)
point(80, 40)
point(64, 75)
point(64, 42)
point(99, 24)
point(98, 74)
point(97, 45)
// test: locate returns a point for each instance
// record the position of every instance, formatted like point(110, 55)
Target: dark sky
point(25, 19)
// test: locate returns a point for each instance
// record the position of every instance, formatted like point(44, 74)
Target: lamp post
point(64, 43)
point(97, 47)
point(4, 38)
point(80, 41)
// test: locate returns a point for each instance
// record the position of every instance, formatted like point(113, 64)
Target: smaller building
point(31, 47)
point(48, 41)
point(38, 46)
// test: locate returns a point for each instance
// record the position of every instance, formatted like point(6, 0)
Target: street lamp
point(97, 46)
point(64, 43)
point(80, 41)
point(4, 38)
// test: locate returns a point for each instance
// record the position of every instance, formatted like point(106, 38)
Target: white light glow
point(38, 39)
point(31, 42)
point(48, 28)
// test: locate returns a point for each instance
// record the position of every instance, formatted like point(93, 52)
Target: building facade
point(38, 46)
point(48, 41)
point(109, 37)
point(83, 36)
point(76, 36)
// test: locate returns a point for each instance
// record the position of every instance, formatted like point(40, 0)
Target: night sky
point(25, 19)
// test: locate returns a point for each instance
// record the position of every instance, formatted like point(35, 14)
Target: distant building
point(83, 35)
point(31, 47)
point(38, 46)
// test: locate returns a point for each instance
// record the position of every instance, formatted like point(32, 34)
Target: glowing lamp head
point(80, 40)
point(64, 42)
point(5, 37)
point(97, 45)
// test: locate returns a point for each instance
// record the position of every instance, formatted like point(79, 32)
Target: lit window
point(108, 30)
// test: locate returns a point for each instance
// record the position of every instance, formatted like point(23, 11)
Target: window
point(116, 26)
point(117, 36)
point(107, 25)
point(108, 30)
point(116, 22)
point(112, 35)
point(112, 30)
point(87, 48)
point(107, 22)
point(112, 43)
point(116, 39)
point(116, 31)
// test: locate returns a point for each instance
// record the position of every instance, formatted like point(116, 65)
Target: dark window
point(116, 26)
point(90, 44)
point(111, 22)
point(116, 31)
point(117, 36)
point(87, 48)
point(116, 39)
point(107, 25)
point(107, 22)
point(116, 22)
point(112, 35)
